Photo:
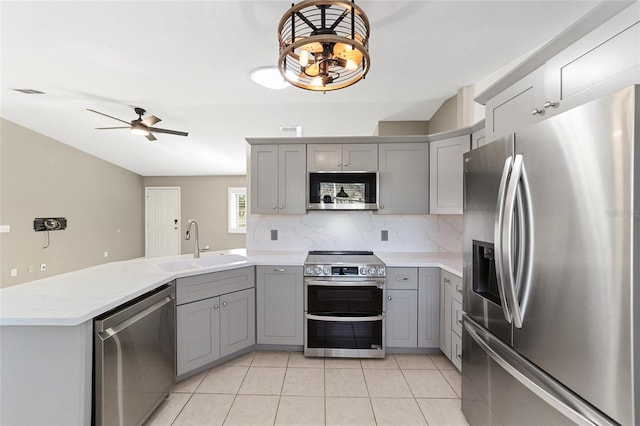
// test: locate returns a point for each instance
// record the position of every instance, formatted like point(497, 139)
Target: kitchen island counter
point(72, 298)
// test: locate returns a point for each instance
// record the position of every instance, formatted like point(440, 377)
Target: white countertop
point(75, 297)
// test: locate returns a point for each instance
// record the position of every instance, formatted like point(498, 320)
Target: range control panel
point(337, 271)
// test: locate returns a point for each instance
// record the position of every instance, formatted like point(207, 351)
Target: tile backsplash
point(355, 231)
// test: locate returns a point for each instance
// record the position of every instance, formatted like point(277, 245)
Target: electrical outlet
point(14, 272)
point(106, 254)
point(43, 267)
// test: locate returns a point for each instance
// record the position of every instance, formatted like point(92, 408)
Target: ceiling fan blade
point(150, 121)
point(171, 132)
point(101, 113)
point(150, 137)
point(109, 128)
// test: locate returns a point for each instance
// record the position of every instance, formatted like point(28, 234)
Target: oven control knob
point(372, 270)
point(381, 271)
point(363, 270)
point(318, 270)
point(327, 270)
point(310, 270)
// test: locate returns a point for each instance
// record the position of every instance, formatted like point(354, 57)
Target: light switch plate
point(274, 235)
point(5, 228)
point(384, 235)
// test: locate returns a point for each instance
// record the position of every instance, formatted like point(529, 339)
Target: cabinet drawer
point(199, 287)
point(402, 278)
point(456, 317)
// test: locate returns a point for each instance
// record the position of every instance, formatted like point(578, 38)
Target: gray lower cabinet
point(279, 307)
point(215, 316)
point(413, 308)
point(451, 317)
point(429, 307)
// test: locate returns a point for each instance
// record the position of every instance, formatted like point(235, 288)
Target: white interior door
point(162, 221)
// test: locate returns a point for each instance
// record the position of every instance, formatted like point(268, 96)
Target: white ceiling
point(188, 62)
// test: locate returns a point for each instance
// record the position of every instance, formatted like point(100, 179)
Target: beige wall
point(41, 177)
point(402, 128)
point(446, 117)
point(205, 199)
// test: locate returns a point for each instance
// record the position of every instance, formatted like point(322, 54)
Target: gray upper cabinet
point(342, 157)
point(569, 71)
point(446, 173)
point(278, 177)
point(279, 305)
point(429, 307)
point(404, 178)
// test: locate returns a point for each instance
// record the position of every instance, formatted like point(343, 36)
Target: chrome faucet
point(187, 236)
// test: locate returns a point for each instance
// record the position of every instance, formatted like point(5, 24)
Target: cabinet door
point(478, 139)
point(279, 305)
point(324, 157)
point(446, 173)
point(264, 179)
point(456, 351)
point(361, 157)
point(401, 321)
point(445, 316)
point(429, 307)
point(237, 321)
point(291, 179)
point(514, 108)
point(197, 334)
point(404, 178)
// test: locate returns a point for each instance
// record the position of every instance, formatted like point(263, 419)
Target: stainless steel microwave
point(343, 191)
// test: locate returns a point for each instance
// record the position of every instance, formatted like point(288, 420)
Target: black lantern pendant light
point(324, 45)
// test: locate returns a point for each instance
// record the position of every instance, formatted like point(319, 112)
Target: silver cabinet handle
point(280, 270)
point(381, 206)
point(458, 288)
point(389, 298)
point(537, 111)
point(346, 164)
point(344, 319)
point(550, 104)
point(224, 303)
point(339, 165)
point(447, 281)
point(273, 207)
point(402, 278)
point(459, 356)
point(215, 306)
point(281, 207)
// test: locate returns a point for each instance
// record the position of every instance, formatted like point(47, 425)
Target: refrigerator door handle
point(525, 244)
point(506, 244)
point(497, 238)
point(534, 379)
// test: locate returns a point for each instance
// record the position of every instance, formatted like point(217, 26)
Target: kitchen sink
point(202, 262)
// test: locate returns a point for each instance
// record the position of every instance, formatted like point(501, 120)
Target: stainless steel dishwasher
point(134, 358)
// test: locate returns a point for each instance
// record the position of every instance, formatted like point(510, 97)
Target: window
point(238, 210)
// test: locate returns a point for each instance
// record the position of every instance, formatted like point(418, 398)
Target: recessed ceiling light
point(268, 77)
point(30, 91)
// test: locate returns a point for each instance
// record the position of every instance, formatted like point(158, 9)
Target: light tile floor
point(285, 388)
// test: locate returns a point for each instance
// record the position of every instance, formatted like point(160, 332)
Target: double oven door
point(344, 317)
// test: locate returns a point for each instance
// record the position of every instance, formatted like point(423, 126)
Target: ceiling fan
point(140, 126)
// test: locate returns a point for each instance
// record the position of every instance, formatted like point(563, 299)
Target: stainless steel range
point(344, 303)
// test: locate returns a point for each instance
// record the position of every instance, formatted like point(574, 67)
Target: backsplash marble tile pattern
point(355, 231)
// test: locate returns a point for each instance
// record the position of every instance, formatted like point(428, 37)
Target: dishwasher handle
point(112, 331)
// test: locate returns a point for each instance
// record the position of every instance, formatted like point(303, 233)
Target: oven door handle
point(344, 319)
point(369, 283)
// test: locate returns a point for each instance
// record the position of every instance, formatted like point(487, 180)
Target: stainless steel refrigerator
point(551, 243)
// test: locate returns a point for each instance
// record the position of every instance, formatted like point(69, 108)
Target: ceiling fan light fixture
point(139, 129)
point(324, 44)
